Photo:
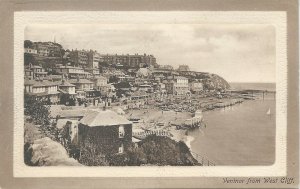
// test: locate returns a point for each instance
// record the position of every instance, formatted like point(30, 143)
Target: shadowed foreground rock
point(46, 152)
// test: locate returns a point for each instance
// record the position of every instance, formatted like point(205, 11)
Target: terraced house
point(45, 91)
point(178, 86)
point(93, 59)
point(79, 58)
point(72, 72)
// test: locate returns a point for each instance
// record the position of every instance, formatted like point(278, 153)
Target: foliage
point(28, 44)
point(123, 84)
point(29, 59)
point(89, 154)
point(28, 154)
point(36, 109)
point(40, 115)
point(154, 150)
point(134, 156)
point(161, 150)
point(113, 79)
point(65, 99)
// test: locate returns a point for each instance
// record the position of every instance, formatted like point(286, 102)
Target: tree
point(89, 154)
point(36, 110)
point(161, 150)
point(113, 79)
point(29, 59)
point(28, 44)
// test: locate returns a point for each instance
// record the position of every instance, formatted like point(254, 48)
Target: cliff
point(210, 81)
point(213, 81)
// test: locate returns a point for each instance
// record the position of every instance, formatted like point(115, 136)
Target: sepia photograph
point(149, 94)
point(153, 97)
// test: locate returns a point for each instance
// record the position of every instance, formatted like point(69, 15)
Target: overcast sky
point(239, 53)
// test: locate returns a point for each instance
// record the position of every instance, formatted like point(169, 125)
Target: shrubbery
point(39, 114)
point(36, 109)
point(161, 150)
point(154, 150)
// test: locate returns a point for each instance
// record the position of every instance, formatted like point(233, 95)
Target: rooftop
point(80, 81)
point(65, 84)
point(95, 118)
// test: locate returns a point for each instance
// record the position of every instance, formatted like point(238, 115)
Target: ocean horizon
point(253, 86)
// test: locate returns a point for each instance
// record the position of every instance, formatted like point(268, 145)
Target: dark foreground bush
point(155, 150)
point(161, 150)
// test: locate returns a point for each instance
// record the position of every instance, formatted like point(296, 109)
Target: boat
point(269, 111)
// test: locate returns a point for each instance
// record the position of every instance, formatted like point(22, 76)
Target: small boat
point(269, 112)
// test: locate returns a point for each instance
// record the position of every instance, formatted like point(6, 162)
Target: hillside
point(210, 81)
point(214, 81)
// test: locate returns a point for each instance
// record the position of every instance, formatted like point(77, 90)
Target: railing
point(144, 134)
point(202, 160)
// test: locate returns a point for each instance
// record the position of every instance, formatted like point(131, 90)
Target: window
point(121, 131)
point(121, 149)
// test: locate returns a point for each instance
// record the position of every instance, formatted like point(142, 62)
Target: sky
point(236, 52)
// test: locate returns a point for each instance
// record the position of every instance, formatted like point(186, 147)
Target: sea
point(253, 86)
point(240, 135)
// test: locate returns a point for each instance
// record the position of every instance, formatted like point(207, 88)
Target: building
point(93, 71)
point(72, 72)
point(45, 91)
point(82, 84)
point(184, 68)
point(113, 72)
point(145, 88)
point(126, 78)
point(196, 87)
point(143, 73)
point(34, 72)
point(84, 89)
point(93, 59)
point(109, 132)
point(107, 91)
point(99, 82)
point(48, 49)
point(30, 51)
point(131, 61)
point(139, 95)
point(68, 93)
point(28, 74)
point(178, 86)
point(162, 88)
point(165, 67)
point(79, 58)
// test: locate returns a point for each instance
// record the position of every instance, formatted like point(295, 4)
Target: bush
point(90, 156)
point(36, 110)
point(161, 150)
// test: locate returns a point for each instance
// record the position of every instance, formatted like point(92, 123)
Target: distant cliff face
point(210, 81)
point(214, 81)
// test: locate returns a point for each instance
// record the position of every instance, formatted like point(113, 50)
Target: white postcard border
point(276, 18)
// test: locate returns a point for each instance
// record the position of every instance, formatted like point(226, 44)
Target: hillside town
point(116, 100)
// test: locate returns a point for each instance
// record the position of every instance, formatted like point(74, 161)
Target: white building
point(30, 51)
